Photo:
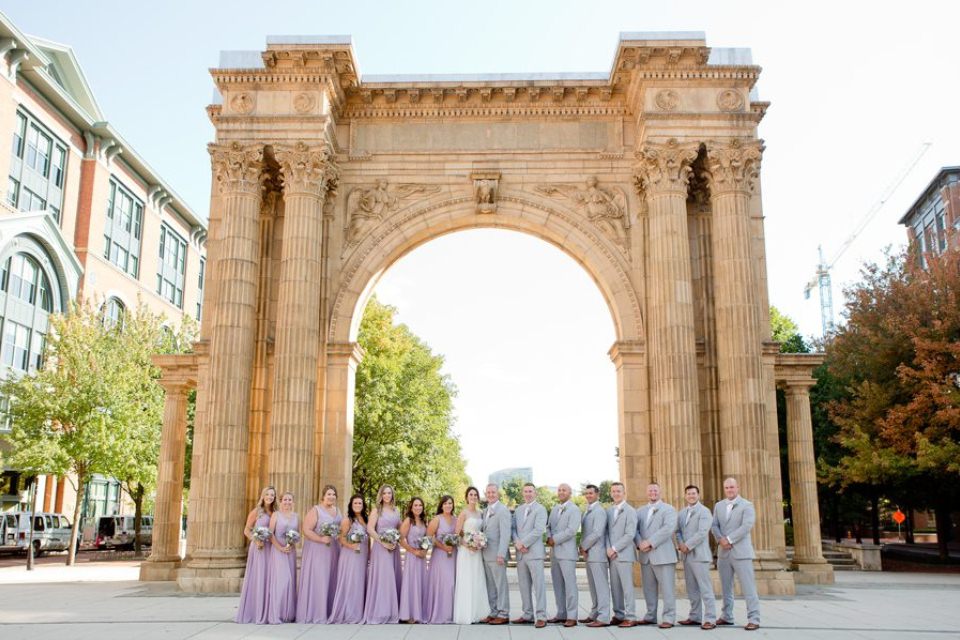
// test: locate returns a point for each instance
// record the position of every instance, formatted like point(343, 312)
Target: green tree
point(786, 332)
point(403, 425)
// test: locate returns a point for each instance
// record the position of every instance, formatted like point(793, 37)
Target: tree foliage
point(403, 424)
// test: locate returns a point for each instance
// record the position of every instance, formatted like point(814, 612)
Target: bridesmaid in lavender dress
point(352, 565)
point(253, 595)
point(383, 588)
point(443, 565)
point(414, 583)
point(282, 576)
point(318, 565)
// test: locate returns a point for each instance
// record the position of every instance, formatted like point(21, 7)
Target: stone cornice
point(479, 109)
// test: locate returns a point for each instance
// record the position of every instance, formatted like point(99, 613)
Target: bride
point(470, 603)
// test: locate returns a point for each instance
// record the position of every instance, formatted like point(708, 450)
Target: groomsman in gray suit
point(693, 541)
point(656, 524)
point(496, 526)
point(530, 523)
point(562, 527)
point(593, 546)
point(733, 519)
point(621, 552)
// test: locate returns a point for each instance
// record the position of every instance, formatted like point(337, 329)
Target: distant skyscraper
point(503, 475)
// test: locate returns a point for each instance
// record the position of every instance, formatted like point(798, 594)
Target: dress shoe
point(596, 624)
point(615, 622)
point(753, 626)
point(556, 620)
point(570, 623)
point(486, 620)
point(521, 621)
point(586, 620)
point(707, 626)
point(665, 625)
point(499, 621)
point(540, 624)
point(645, 622)
point(688, 622)
point(626, 624)
point(723, 623)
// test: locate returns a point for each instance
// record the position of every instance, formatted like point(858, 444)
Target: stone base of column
point(161, 570)
point(812, 572)
point(211, 576)
point(770, 582)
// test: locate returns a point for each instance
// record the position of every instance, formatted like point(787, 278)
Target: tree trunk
point(75, 529)
point(137, 496)
point(875, 515)
point(942, 513)
point(909, 522)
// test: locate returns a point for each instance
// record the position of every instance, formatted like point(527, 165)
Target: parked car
point(116, 532)
point(51, 532)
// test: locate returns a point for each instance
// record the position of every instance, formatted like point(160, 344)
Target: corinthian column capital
point(238, 168)
point(665, 167)
point(305, 169)
point(733, 166)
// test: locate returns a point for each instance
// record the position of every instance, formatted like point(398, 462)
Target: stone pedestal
point(633, 393)
point(336, 446)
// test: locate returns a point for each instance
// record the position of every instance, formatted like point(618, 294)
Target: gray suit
point(530, 523)
point(620, 532)
point(656, 523)
point(693, 530)
point(595, 543)
point(562, 526)
point(738, 561)
point(496, 526)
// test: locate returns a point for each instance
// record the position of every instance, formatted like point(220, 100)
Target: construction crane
point(821, 279)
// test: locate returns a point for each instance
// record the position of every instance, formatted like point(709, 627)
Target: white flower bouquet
point(475, 540)
point(291, 537)
point(330, 530)
point(356, 537)
point(390, 536)
point(261, 535)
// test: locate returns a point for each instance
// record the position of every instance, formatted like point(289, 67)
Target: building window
point(200, 277)
point(59, 164)
point(13, 191)
point(37, 169)
point(38, 150)
point(30, 201)
point(23, 278)
point(16, 341)
point(19, 134)
point(5, 425)
point(113, 312)
point(172, 267)
point(122, 231)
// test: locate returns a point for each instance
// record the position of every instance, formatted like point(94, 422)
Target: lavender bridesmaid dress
point(413, 586)
point(282, 576)
point(253, 595)
point(383, 593)
point(441, 578)
point(351, 582)
point(318, 573)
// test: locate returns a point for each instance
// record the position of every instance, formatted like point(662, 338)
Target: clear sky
point(855, 86)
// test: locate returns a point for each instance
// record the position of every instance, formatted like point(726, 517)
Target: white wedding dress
point(470, 603)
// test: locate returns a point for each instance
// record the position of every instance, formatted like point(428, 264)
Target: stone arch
point(407, 230)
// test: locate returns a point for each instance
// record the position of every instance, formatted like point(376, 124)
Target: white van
point(51, 532)
point(115, 532)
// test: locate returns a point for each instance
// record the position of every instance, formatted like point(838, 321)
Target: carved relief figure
point(606, 208)
point(368, 206)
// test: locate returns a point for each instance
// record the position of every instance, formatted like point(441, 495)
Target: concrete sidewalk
point(101, 600)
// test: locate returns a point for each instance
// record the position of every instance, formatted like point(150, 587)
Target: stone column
point(217, 562)
point(733, 171)
point(633, 412)
point(808, 557)
point(305, 172)
point(165, 551)
point(336, 446)
point(663, 172)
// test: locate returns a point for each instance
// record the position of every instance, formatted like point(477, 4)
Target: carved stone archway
point(647, 175)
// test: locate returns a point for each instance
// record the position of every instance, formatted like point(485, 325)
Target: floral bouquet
point(356, 537)
point(475, 540)
point(330, 530)
point(425, 544)
point(291, 537)
point(261, 535)
point(390, 536)
point(451, 540)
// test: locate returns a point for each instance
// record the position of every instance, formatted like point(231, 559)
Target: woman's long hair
point(410, 514)
point(380, 497)
point(363, 511)
point(262, 507)
point(443, 500)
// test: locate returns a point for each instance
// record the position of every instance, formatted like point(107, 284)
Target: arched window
point(23, 278)
point(113, 311)
point(28, 296)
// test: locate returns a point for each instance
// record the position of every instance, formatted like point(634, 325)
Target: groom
point(496, 526)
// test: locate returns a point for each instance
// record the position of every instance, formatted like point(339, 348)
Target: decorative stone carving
point(304, 102)
point(733, 165)
point(667, 100)
point(730, 100)
point(485, 187)
point(237, 167)
point(604, 207)
point(666, 167)
point(305, 169)
point(367, 206)
point(242, 103)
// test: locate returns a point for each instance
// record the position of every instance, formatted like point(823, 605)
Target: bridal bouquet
point(292, 537)
point(475, 540)
point(425, 544)
point(390, 536)
point(331, 530)
point(356, 537)
point(451, 540)
point(261, 534)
